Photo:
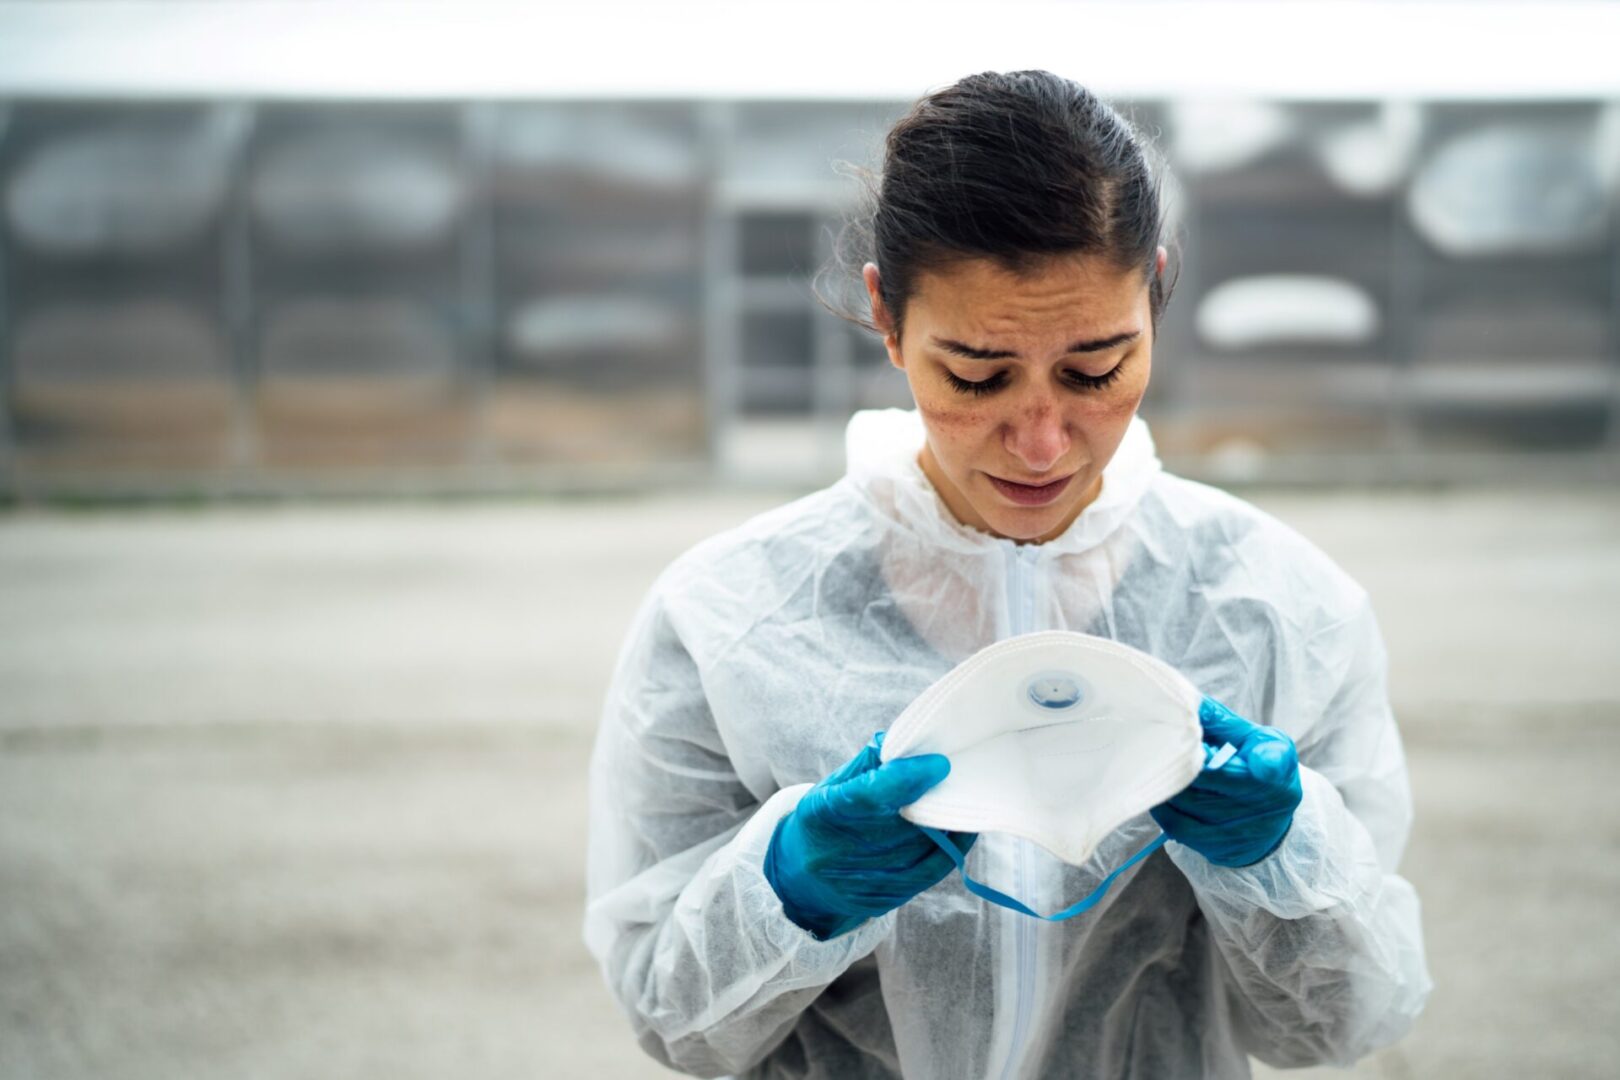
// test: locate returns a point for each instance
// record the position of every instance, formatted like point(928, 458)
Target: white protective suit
point(766, 656)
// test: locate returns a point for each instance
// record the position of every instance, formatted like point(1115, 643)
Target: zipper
point(1020, 620)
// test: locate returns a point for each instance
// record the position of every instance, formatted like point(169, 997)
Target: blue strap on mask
point(1214, 759)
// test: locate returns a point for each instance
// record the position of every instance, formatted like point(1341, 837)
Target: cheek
point(1118, 406)
point(1106, 419)
point(958, 421)
point(957, 432)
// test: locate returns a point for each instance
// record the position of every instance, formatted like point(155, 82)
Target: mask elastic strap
point(996, 896)
point(1214, 759)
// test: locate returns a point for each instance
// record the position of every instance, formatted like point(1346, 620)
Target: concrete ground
point(299, 792)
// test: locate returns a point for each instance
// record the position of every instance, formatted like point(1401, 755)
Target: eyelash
point(994, 382)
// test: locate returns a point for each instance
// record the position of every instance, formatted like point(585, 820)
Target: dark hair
point(1015, 167)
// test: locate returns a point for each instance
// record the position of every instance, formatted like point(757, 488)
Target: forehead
point(1069, 293)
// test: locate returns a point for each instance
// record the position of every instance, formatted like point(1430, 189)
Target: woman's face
point(1024, 384)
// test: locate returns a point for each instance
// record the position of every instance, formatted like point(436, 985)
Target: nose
point(1038, 435)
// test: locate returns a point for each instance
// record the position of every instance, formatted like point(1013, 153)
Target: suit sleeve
point(691, 938)
point(1321, 942)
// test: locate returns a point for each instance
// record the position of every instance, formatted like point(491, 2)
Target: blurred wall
point(289, 295)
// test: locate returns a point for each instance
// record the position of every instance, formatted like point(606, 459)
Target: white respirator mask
point(1057, 737)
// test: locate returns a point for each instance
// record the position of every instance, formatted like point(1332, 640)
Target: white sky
point(1279, 49)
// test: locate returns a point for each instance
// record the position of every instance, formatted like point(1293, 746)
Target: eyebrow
point(972, 353)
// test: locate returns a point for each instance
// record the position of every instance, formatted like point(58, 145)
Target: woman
point(757, 903)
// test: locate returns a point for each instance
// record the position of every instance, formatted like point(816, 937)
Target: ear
point(880, 314)
point(1164, 257)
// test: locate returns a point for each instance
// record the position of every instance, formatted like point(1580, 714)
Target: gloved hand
point(1237, 814)
point(845, 854)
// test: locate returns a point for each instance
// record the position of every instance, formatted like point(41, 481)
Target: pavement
point(298, 790)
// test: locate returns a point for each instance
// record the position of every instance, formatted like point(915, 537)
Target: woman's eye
point(1096, 382)
point(977, 389)
point(1078, 379)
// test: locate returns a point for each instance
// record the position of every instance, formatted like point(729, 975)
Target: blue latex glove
point(845, 854)
point(1237, 814)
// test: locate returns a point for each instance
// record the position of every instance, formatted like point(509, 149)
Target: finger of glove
point(932, 871)
point(883, 791)
point(1205, 808)
point(1202, 804)
point(1231, 822)
point(899, 866)
point(862, 843)
point(863, 762)
point(1180, 825)
point(1219, 846)
point(1272, 759)
point(924, 874)
point(1225, 807)
point(1222, 725)
point(1269, 760)
point(1232, 778)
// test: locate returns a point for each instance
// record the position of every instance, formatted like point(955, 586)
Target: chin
point(1027, 526)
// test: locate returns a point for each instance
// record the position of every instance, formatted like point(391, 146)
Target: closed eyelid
point(1079, 380)
point(1121, 349)
point(999, 372)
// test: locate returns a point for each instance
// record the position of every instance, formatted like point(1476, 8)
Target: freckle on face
point(958, 419)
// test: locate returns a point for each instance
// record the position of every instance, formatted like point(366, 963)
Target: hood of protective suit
point(881, 447)
point(950, 580)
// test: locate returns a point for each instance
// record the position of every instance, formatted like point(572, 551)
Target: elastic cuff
point(1272, 850)
point(766, 914)
point(1325, 860)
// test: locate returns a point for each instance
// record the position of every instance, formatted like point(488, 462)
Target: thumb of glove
point(883, 791)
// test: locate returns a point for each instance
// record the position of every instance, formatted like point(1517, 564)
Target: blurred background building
point(214, 280)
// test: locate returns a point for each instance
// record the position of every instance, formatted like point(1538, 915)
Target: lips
point(1030, 494)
